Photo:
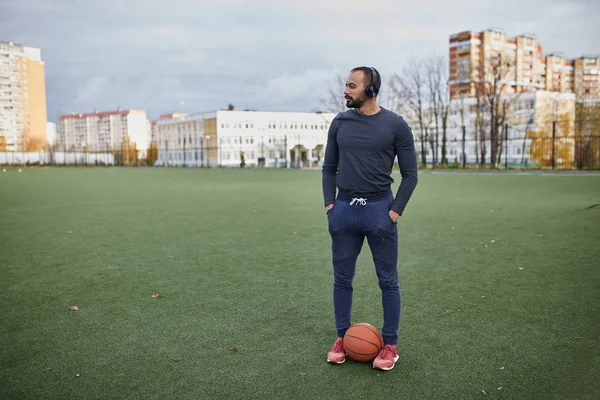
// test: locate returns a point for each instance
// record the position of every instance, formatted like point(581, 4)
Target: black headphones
point(372, 90)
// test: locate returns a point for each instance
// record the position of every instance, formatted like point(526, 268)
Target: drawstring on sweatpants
point(359, 201)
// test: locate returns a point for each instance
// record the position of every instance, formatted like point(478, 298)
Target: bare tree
point(438, 95)
point(443, 100)
point(392, 97)
point(432, 91)
point(461, 107)
point(480, 131)
point(429, 117)
point(334, 101)
point(410, 88)
point(498, 98)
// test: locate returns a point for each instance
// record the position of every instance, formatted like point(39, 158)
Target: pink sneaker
point(387, 357)
point(337, 354)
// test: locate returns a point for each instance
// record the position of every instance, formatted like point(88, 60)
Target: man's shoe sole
point(387, 369)
point(336, 362)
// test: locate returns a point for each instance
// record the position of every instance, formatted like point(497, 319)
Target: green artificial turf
point(241, 260)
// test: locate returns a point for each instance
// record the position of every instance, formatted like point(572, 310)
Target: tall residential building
point(587, 79)
point(559, 75)
point(221, 138)
point(103, 131)
point(580, 76)
point(530, 64)
point(22, 98)
point(474, 56)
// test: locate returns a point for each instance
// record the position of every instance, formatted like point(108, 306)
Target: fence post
point(553, 142)
point(464, 134)
point(505, 146)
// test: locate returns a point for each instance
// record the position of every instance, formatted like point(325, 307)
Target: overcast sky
point(261, 54)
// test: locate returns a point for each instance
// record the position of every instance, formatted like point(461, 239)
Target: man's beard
point(354, 103)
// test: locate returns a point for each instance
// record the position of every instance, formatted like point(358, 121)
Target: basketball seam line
point(366, 341)
point(361, 354)
point(372, 329)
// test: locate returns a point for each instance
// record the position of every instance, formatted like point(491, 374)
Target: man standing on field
point(361, 147)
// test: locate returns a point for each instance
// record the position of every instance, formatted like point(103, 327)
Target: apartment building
point(560, 74)
point(222, 138)
point(22, 98)
point(530, 64)
point(587, 79)
point(474, 57)
point(103, 131)
point(580, 76)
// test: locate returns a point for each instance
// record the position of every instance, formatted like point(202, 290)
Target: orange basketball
point(362, 342)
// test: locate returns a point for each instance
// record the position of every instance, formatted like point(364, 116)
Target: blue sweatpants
point(351, 220)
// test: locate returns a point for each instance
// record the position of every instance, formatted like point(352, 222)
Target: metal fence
point(570, 153)
point(573, 152)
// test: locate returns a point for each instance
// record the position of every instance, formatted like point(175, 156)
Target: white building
point(103, 131)
point(50, 132)
point(180, 140)
point(222, 138)
point(529, 122)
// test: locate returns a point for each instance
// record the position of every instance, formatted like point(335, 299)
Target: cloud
point(298, 87)
point(264, 54)
point(91, 89)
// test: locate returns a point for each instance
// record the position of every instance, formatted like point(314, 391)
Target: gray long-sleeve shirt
point(360, 156)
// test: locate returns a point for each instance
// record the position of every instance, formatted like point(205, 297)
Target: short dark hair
point(368, 73)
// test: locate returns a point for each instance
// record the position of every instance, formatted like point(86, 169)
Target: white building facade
point(51, 133)
point(259, 138)
point(180, 141)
